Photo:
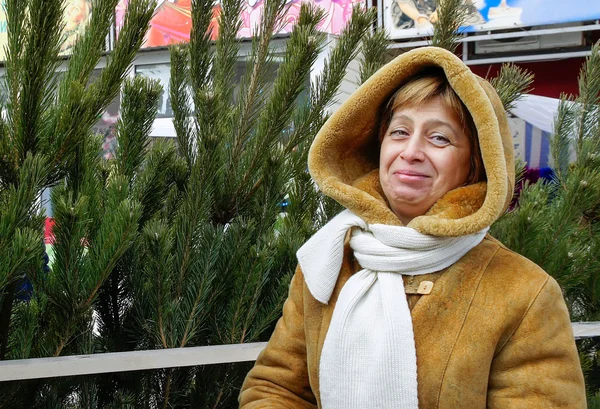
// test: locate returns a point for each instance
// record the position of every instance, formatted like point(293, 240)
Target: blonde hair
point(421, 88)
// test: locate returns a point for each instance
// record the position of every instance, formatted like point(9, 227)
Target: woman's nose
point(413, 150)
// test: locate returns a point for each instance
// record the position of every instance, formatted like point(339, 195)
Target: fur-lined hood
point(343, 159)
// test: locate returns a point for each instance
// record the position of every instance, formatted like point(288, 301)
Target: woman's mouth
point(410, 175)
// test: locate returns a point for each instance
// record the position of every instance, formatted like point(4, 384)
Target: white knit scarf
point(369, 357)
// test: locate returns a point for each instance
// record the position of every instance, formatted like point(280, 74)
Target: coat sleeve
point(538, 367)
point(279, 379)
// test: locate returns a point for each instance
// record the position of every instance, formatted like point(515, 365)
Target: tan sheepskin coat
point(494, 332)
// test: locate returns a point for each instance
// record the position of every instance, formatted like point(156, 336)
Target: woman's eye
point(398, 133)
point(439, 139)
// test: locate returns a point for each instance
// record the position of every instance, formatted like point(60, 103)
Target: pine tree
point(555, 223)
point(213, 265)
point(46, 140)
point(166, 246)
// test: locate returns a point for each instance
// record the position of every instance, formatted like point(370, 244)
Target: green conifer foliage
point(451, 16)
point(45, 140)
point(168, 245)
point(214, 264)
point(555, 223)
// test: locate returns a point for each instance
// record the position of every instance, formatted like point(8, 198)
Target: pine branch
point(64, 287)
point(301, 52)
point(309, 119)
point(178, 88)
point(111, 244)
point(82, 175)
point(252, 296)
point(560, 143)
point(373, 52)
point(193, 212)
point(85, 55)
point(223, 69)
point(158, 243)
point(23, 254)
point(31, 95)
point(19, 201)
point(512, 82)
point(452, 14)
point(104, 220)
point(88, 104)
point(345, 50)
point(589, 78)
point(20, 235)
point(118, 228)
point(131, 36)
point(225, 58)
point(589, 97)
point(8, 154)
point(199, 300)
point(138, 111)
point(161, 171)
point(25, 324)
point(200, 62)
point(17, 23)
point(250, 101)
point(89, 47)
point(69, 134)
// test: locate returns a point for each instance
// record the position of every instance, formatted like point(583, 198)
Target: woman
point(423, 144)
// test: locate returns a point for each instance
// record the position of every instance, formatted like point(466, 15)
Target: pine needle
point(511, 83)
point(560, 143)
point(451, 16)
point(180, 100)
point(373, 52)
point(588, 114)
point(138, 111)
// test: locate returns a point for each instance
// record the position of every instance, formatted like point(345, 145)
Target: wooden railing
point(39, 368)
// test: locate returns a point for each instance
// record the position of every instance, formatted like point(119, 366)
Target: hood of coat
point(343, 158)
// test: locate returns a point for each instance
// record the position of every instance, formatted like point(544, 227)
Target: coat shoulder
point(509, 266)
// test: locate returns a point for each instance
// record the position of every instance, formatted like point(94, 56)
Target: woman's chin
point(411, 206)
point(411, 197)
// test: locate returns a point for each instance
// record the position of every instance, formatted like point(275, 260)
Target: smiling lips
point(410, 176)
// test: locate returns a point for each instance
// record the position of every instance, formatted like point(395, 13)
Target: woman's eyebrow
point(429, 122)
point(401, 116)
point(439, 122)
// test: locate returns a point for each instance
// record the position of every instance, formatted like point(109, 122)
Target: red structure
point(552, 78)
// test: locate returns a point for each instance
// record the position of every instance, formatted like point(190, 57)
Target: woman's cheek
point(389, 152)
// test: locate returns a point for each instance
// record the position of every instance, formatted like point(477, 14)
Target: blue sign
point(412, 18)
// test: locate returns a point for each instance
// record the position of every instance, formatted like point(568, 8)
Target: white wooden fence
point(39, 368)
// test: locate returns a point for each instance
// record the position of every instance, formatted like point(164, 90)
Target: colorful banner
point(3, 35)
point(172, 22)
point(414, 18)
point(77, 14)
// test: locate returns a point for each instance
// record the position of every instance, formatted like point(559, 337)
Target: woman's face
point(425, 153)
